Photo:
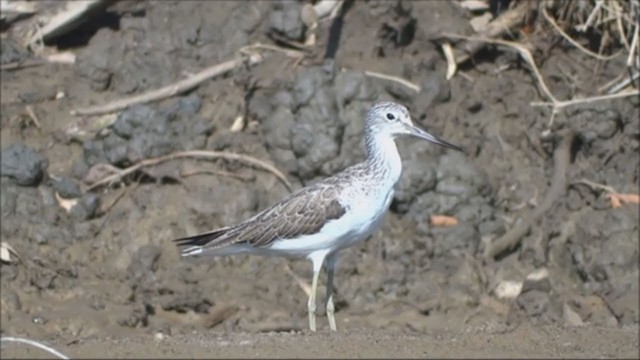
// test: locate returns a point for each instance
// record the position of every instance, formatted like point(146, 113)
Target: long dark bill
point(434, 139)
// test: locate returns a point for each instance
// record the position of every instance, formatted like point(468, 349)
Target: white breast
point(363, 217)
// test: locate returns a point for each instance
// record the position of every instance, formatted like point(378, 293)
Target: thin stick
point(595, 185)
point(562, 104)
point(170, 90)
point(41, 346)
point(399, 80)
point(289, 52)
point(624, 83)
point(575, 43)
point(591, 17)
point(216, 172)
point(618, 12)
point(451, 60)
point(612, 82)
point(197, 154)
point(503, 24)
point(523, 51)
point(634, 45)
point(67, 19)
point(58, 58)
point(33, 116)
point(303, 285)
point(22, 64)
point(106, 208)
point(511, 238)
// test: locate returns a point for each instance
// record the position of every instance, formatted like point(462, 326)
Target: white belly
point(361, 220)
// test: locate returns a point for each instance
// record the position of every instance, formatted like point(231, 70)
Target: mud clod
point(23, 164)
point(286, 19)
point(67, 188)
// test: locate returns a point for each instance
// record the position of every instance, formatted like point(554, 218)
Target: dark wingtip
point(200, 239)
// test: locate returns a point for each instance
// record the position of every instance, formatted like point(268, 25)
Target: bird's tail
point(194, 245)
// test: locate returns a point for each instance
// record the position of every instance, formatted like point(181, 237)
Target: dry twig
point(33, 116)
point(595, 185)
point(105, 208)
point(41, 346)
point(521, 49)
point(170, 90)
point(218, 173)
point(303, 285)
point(57, 58)
point(248, 50)
point(397, 79)
point(557, 105)
point(68, 19)
point(193, 154)
point(505, 23)
point(575, 43)
point(247, 54)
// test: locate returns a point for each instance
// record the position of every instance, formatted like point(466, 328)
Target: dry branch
point(46, 348)
point(554, 103)
point(505, 23)
point(557, 105)
point(396, 79)
point(575, 43)
point(170, 90)
point(57, 58)
point(521, 49)
point(510, 240)
point(193, 154)
point(73, 15)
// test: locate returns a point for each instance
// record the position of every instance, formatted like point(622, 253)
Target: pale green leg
point(317, 259)
point(330, 308)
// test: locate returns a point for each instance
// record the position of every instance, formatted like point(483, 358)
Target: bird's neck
point(382, 156)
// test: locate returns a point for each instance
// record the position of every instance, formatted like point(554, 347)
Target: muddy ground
point(102, 278)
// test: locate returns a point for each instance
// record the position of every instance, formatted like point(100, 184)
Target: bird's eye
point(390, 116)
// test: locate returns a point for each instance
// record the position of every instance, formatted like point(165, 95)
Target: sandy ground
point(523, 342)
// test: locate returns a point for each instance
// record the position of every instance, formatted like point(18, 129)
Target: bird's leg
point(312, 301)
point(317, 259)
point(331, 266)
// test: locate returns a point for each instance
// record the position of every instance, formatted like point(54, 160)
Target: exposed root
point(512, 238)
point(575, 43)
point(193, 154)
point(170, 90)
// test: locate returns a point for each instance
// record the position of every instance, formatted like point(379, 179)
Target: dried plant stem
point(41, 346)
point(303, 285)
point(522, 50)
point(526, 55)
point(170, 90)
point(573, 42)
point(399, 80)
point(195, 154)
point(562, 104)
point(505, 23)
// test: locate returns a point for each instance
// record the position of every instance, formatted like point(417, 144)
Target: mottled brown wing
point(302, 213)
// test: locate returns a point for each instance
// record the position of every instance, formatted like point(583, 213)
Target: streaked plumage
point(321, 219)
